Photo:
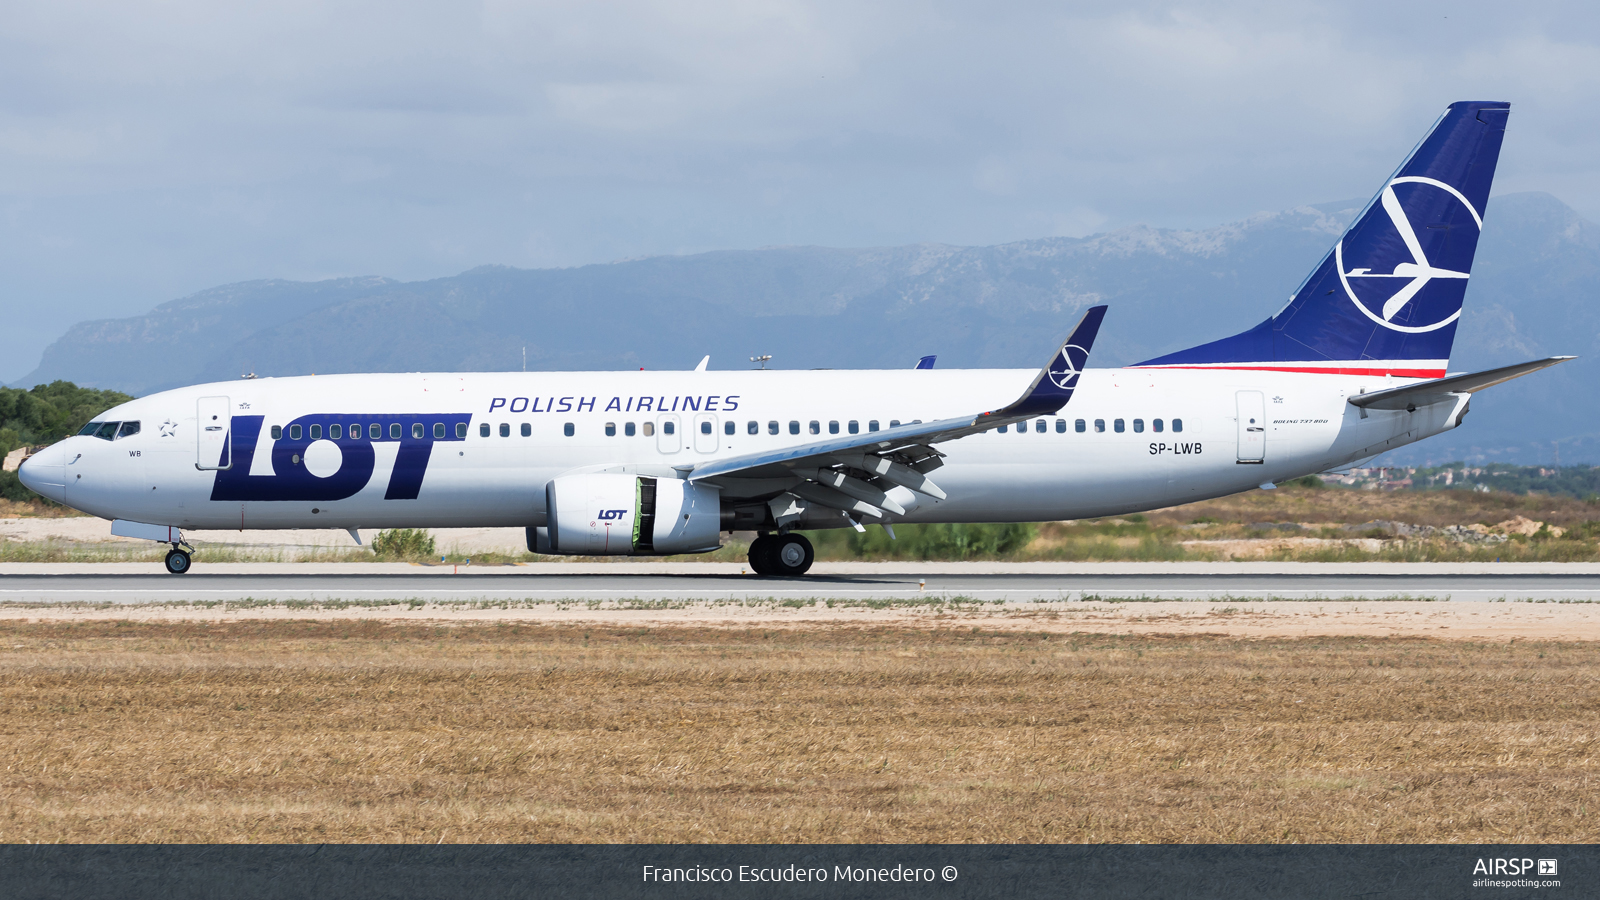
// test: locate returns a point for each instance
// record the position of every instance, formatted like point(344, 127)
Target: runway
point(901, 583)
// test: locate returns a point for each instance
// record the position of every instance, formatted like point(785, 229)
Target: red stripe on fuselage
point(1398, 373)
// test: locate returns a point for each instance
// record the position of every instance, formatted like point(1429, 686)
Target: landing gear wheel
point(761, 554)
point(177, 561)
point(792, 555)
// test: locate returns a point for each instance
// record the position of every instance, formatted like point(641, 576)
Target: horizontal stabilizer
point(1440, 390)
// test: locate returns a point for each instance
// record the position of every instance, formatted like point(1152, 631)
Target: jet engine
point(628, 515)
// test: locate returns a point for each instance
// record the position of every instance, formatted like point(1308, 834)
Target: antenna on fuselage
point(761, 359)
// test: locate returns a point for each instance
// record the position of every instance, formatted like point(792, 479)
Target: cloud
point(149, 150)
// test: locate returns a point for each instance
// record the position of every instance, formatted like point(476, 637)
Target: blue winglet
point(1053, 386)
point(926, 362)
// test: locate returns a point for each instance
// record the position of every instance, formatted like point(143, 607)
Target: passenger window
point(1099, 425)
point(816, 427)
point(833, 427)
point(772, 427)
point(1155, 425)
point(1118, 426)
point(294, 432)
point(483, 430)
point(872, 424)
point(461, 429)
point(668, 427)
point(438, 431)
point(855, 427)
point(794, 426)
point(567, 429)
point(1079, 426)
point(375, 431)
point(394, 431)
point(705, 427)
point(1138, 426)
point(728, 427)
point(527, 430)
point(505, 429)
point(752, 427)
point(611, 429)
point(336, 431)
point(316, 432)
point(1040, 427)
point(1177, 424)
point(1061, 426)
point(277, 432)
point(128, 429)
point(649, 428)
point(628, 429)
point(894, 423)
point(416, 430)
point(1002, 429)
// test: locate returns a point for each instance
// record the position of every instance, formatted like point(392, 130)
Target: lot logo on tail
point(1415, 259)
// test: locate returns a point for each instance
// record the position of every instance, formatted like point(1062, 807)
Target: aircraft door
point(705, 433)
point(1252, 427)
point(668, 440)
point(212, 421)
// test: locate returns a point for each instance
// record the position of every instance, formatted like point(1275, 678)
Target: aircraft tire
point(792, 555)
point(761, 554)
point(177, 562)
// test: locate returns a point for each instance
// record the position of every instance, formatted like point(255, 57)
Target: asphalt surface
point(443, 586)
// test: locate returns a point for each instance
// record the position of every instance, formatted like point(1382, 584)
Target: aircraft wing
point(1439, 390)
point(853, 473)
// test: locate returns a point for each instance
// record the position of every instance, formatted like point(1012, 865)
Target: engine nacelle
point(630, 515)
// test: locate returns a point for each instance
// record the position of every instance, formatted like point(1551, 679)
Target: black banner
point(489, 872)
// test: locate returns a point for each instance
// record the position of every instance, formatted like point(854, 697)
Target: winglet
point(1053, 386)
point(926, 362)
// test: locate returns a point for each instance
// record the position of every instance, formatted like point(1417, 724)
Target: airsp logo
point(1390, 292)
point(1067, 366)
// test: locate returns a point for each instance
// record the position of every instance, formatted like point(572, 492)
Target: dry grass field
point(308, 731)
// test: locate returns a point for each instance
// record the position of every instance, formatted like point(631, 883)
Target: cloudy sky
point(151, 150)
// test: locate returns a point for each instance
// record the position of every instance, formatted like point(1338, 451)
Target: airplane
point(654, 463)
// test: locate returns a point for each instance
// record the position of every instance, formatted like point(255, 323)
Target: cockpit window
point(90, 428)
point(128, 429)
point(107, 430)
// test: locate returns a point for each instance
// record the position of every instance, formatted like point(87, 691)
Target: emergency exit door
point(668, 440)
point(212, 450)
point(1252, 427)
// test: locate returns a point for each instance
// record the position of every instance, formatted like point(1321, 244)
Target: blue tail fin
point(1387, 297)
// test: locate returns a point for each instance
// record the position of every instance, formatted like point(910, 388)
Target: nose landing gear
point(177, 560)
point(785, 554)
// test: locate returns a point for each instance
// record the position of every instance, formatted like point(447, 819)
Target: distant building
point(14, 458)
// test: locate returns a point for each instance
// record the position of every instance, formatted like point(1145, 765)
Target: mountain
point(813, 307)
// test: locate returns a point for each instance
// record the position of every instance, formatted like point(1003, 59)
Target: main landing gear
point(177, 560)
point(781, 554)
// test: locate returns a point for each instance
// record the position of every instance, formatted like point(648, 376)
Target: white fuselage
point(499, 479)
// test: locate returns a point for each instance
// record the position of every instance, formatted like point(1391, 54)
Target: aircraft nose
point(44, 473)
